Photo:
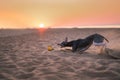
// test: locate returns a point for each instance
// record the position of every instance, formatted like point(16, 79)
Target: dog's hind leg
point(103, 47)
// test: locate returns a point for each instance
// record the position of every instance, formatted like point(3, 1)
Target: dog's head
point(63, 44)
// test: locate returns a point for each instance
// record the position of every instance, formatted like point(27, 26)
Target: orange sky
point(30, 13)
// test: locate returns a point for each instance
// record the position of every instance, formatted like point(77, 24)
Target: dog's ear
point(66, 39)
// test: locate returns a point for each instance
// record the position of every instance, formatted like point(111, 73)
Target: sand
point(24, 56)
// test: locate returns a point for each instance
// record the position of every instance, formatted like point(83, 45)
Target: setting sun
point(41, 26)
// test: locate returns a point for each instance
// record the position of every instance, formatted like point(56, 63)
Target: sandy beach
point(24, 56)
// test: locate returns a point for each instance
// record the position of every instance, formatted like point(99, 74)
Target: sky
point(57, 13)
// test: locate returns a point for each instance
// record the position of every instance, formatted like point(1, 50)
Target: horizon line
point(94, 26)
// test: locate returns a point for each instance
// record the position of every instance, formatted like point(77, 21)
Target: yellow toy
point(50, 48)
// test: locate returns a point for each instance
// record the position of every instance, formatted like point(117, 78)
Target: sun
point(41, 25)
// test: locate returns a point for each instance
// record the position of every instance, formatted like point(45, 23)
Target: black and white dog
point(83, 44)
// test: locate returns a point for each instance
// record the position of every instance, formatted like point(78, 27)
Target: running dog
point(83, 44)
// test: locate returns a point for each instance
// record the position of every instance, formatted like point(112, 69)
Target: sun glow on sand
point(42, 29)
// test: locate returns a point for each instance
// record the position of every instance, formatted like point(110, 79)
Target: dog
point(82, 44)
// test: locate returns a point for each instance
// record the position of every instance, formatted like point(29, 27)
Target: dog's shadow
point(113, 53)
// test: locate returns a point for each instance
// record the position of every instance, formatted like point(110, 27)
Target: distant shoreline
point(52, 28)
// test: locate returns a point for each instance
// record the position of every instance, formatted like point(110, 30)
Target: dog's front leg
point(74, 47)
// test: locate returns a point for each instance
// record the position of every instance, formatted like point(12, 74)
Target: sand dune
point(24, 56)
